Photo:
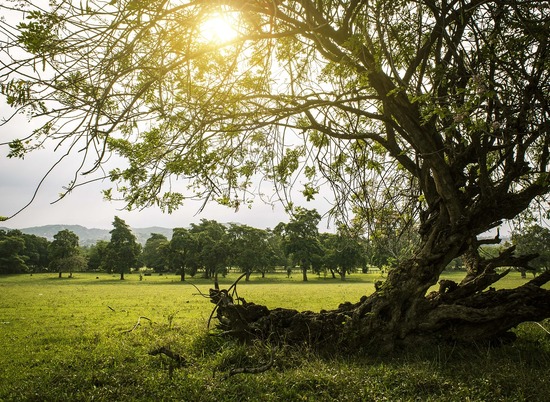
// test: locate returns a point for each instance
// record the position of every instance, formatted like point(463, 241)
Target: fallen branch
point(222, 296)
point(251, 370)
point(179, 359)
point(138, 323)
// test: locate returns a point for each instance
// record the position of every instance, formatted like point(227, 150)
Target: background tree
point(274, 253)
point(64, 252)
point(123, 249)
point(97, 254)
point(343, 253)
point(155, 252)
point(213, 246)
point(441, 108)
point(36, 252)
point(534, 239)
point(11, 248)
point(32, 257)
point(184, 252)
point(250, 249)
point(301, 238)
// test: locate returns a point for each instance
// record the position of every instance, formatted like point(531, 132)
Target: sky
point(85, 206)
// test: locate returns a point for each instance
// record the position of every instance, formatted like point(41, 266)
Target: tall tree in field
point(301, 238)
point(213, 246)
point(36, 252)
point(183, 252)
point(63, 251)
point(123, 250)
point(442, 108)
point(97, 256)
point(249, 249)
point(155, 252)
point(342, 252)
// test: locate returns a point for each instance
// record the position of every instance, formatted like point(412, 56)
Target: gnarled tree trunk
point(401, 311)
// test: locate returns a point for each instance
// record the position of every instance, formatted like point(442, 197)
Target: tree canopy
point(123, 249)
point(436, 111)
point(64, 252)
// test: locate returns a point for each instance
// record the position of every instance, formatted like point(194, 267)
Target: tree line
point(210, 248)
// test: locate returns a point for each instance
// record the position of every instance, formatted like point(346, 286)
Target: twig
point(544, 329)
point(112, 309)
point(251, 370)
point(179, 359)
point(219, 293)
point(198, 290)
point(138, 323)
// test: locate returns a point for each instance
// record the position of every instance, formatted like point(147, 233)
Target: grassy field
point(77, 340)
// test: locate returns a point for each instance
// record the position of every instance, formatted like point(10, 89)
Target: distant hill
point(88, 237)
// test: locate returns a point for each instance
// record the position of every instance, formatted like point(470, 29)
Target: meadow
point(90, 338)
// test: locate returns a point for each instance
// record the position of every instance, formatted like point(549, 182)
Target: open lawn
point(77, 340)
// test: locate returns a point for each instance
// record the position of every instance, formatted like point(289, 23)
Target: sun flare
point(219, 29)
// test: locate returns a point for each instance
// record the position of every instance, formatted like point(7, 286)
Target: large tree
point(212, 246)
point(439, 110)
point(250, 249)
point(343, 252)
point(12, 259)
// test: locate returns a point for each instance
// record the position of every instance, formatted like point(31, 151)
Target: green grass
point(72, 340)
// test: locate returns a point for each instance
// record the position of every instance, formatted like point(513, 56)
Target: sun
point(219, 29)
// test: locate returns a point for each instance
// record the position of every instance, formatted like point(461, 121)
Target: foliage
point(11, 260)
point(300, 238)
point(343, 253)
point(63, 252)
point(212, 245)
point(97, 254)
point(20, 252)
point(36, 250)
point(251, 249)
point(534, 240)
point(123, 250)
point(155, 252)
point(183, 252)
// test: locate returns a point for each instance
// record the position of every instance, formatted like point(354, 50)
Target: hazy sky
point(85, 205)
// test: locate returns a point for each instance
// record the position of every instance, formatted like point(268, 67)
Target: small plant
point(170, 317)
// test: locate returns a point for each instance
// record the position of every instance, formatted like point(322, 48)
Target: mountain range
point(88, 237)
